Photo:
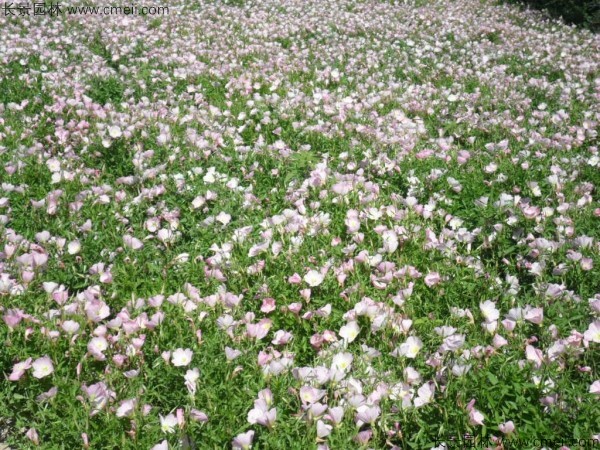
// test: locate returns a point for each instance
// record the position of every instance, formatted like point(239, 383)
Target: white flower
point(114, 132)
point(74, 247)
point(342, 361)
point(411, 347)
point(168, 423)
point(181, 357)
point(489, 311)
point(99, 344)
point(223, 218)
point(198, 202)
point(313, 278)
point(42, 367)
point(349, 331)
point(390, 241)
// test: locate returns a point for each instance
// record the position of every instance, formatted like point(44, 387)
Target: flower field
point(299, 224)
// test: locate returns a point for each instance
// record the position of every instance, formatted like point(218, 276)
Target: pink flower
point(19, 369)
point(98, 395)
point(97, 310)
point(231, 353)
point(433, 278)
point(12, 318)
point(335, 415)
point(475, 416)
point(323, 430)
point(534, 315)
point(295, 279)
point(243, 441)
point(268, 305)
point(74, 247)
point(126, 408)
point(309, 394)
point(262, 415)
point(198, 416)
point(507, 427)
point(49, 394)
point(132, 242)
point(32, 435)
point(366, 414)
point(96, 348)
point(534, 355)
point(281, 337)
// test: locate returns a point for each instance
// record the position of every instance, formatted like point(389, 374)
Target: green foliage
point(580, 12)
point(106, 90)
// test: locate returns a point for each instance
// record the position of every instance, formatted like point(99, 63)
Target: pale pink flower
point(310, 395)
point(342, 362)
point(507, 427)
point(164, 445)
point(534, 355)
point(592, 334)
point(32, 435)
point(231, 353)
point(534, 315)
point(433, 278)
point(366, 414)
point(42, 367)
point(19, 369)
point(114, 132)
point(132, 242)
point(97, 346)
point(198, 416)
point(49, 394)
point(475, 416)
point(70, 326)
point(323, 430)
point(489, 311)
point(335, 415)
point(243, 441)
point(295, 279)
point(268, 305)
point(424, 394)
point(191, 377)
point(126, 408)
